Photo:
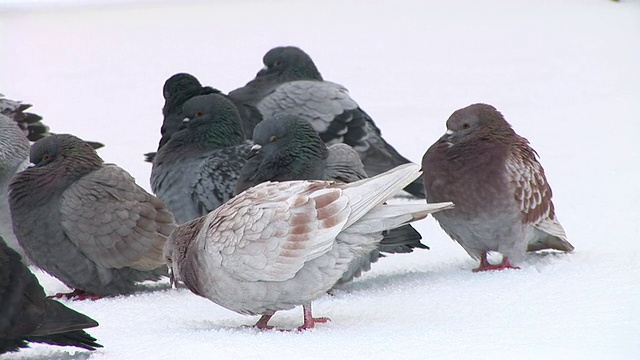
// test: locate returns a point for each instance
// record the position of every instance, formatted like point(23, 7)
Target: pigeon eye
point(199, 113)
point(278, 63)
point(273, 138)
point(46, 157)
point(466, 126)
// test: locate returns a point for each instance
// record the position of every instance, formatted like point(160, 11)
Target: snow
point(564, 73)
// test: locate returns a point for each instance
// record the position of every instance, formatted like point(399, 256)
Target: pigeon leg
point(309, 320)
point(76, 295)
point(486, 266)
point(262, 322)
point(484, 263)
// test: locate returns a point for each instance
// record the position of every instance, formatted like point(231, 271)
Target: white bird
point(282, 244)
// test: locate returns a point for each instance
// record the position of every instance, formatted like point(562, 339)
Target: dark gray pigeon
point(282, 244)
point(27, 315)
point(14, 157)
point(30, 123)
point(197, 169)
point(503, 200)
point(176, 91)
point(291, 84)
point(288, 148)
point(97, 231)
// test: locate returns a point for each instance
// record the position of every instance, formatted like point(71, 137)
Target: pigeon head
point(288, 143)
point(176, 248)
point(289, 63)
point(476, 122)
point(291, 134)
point(64, 148)
point(211, 118)
point(178, 83)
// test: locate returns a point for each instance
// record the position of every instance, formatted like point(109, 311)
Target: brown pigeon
point(503, 200)
point(282, 244)
point(85, 222)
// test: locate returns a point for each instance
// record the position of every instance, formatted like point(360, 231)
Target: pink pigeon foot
point(262, 323)
point(486, 266)
point(76, 295)
point(309, 321)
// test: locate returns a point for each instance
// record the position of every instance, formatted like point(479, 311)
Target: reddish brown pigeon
point(503, 200)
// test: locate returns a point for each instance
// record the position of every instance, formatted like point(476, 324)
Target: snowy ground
point(566, 74)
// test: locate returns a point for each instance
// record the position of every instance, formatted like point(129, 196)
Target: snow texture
point(565, 74)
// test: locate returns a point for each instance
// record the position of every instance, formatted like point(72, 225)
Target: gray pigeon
point(503, 200)
point(28, 122)
point(176, 91)
point(291, 84)
point(288, 148)
point(197, 169)
point(14, 156)
point(97, 231)
point(282, 244)
point(26, 315)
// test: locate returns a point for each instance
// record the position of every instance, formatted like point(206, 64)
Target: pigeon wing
point(271, 240)
point(114, 222)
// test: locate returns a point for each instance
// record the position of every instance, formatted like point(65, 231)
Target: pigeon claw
point(486, 266)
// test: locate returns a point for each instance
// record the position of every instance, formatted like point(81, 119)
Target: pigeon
point(288, 148)
point(97, 231)
point(176, 91)
point(14, 156)
point(26, 315)
point(503, 200)
point(30, 123)
point(278, 245)
point(290, 83)
point(197, 169)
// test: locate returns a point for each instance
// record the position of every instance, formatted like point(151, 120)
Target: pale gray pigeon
point(14, 157)
point(291, 84)
point(176, 91)
point(282, 244)
point(503, 200)
point(197, 169)
point(85, 222)
point(28, 122)
point(27, 315)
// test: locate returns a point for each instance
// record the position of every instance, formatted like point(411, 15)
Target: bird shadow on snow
point(537, 261)
point(58, 355)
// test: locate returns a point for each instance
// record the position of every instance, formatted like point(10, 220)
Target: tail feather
point(367, 193)
point(401, 240)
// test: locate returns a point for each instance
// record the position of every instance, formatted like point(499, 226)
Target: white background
point(566, 75)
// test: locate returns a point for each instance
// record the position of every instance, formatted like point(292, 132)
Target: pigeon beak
point(255, 149)
point(263, 71)
point(447, 135)
point(31, 165)
point(172, 278)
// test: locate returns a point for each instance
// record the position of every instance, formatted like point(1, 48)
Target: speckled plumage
point(26, 315)
point(196, 171)
point(97, 231)
point(503, 200)
point(290, 84)
point(282, 244)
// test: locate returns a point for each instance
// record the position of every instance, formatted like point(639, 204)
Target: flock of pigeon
point(265, 199)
